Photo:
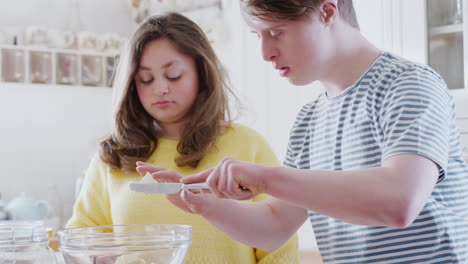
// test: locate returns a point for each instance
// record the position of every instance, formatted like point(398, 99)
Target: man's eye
point(275, 34)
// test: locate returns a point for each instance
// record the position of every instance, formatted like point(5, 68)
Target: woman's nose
point(161, 88)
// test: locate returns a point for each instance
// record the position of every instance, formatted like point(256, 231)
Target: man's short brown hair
point(296, 9)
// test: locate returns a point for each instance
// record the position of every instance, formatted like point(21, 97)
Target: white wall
point(49, 133)
point(77, 15)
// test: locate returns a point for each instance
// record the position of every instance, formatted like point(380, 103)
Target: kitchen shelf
point(447, 29)
point(189, 6)
point(38, 65)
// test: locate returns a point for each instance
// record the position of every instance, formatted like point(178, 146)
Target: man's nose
point(269, 52)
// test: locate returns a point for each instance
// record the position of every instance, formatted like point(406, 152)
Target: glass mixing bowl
point(126, 244)
point(24, 242)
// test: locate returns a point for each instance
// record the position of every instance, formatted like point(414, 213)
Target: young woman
point(374, 162)
point(172, 111)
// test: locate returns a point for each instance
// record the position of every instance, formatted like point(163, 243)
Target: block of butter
point(148, 178)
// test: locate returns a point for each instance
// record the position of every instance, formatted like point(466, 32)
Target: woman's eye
point(146, 81)
point(175, 78)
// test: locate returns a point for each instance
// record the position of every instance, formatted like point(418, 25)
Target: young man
point(375, 161)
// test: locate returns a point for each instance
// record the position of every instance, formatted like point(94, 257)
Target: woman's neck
point(174, 130)
point(171, 130)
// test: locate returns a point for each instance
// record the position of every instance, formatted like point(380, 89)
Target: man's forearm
point(266, 225)
point(391, 195)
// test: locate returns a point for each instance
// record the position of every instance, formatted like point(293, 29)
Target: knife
point(165, 187)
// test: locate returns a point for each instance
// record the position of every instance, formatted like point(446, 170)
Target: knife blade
point(165, 187)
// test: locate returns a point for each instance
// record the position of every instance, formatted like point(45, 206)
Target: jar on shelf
point(457, 12)
point(91, 70)
point(40, 66)
point(67, 67)
point(442, 13)
point(25, 242)
point(111, 65)
point(12, 65)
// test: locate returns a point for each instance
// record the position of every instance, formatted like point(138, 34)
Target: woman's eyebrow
point(165, 65)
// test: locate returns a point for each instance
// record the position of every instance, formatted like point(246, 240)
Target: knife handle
point(196, 186)
point(204, 185)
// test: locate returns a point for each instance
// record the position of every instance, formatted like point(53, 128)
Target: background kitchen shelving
point(445, 40)
point(37, 65)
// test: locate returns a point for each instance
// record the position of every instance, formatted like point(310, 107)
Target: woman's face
point(166, 82)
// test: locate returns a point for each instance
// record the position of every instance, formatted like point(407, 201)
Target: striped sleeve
point(415, 117)
point(289, 159)
point(298, 139)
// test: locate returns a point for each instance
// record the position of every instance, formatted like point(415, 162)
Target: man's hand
point(232, 179)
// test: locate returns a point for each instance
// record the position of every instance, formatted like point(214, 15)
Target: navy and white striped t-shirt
point(396, 107)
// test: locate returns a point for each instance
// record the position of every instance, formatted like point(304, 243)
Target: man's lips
point(283, 71)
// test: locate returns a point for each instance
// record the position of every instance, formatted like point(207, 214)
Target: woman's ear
point(328, 11)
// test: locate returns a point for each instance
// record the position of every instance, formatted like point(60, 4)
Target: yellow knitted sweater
point(106, 200)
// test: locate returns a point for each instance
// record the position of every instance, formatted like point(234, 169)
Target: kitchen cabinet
point(445, 41)
point(431, 32)
point(446, 48)
point(426, 31)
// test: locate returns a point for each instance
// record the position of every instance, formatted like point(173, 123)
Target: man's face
point(297, 49)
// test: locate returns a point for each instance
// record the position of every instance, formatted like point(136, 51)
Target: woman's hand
point(164, 175)
point(191, 201)
point(233, 179)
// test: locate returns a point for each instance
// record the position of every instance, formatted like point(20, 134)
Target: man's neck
point(349, 63)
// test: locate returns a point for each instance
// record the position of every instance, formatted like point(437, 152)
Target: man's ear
point(328, 11)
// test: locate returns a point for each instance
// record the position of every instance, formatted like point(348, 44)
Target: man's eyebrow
point(269, 28)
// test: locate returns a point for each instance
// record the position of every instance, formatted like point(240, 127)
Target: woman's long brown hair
point(135, 133)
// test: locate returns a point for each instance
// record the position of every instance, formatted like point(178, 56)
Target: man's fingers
point(213, 181)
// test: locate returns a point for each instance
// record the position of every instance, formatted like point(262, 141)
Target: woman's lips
point(162, 104)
